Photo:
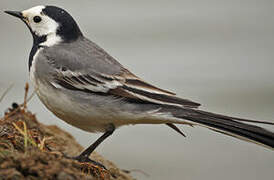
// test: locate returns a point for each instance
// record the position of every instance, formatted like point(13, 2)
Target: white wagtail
point(84, 86)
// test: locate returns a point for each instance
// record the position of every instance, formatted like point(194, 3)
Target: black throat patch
point(37, 40)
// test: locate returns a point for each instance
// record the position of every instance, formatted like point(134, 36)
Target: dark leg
point(84, 156)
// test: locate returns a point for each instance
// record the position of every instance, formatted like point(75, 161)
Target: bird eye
point(37, 19)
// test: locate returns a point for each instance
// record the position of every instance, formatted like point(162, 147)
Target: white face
point(41, 24)
point(46, 26)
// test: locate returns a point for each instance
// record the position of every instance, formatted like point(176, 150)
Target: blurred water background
point(217, 52)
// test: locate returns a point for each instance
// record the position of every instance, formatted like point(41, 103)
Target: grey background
point(219, 53)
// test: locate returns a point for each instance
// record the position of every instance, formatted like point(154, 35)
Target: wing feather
point(125, 85)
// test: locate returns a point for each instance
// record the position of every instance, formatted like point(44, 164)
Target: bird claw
point(85, 159)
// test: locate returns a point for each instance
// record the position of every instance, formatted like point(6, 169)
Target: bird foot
point(90, 166)
point(85, 159)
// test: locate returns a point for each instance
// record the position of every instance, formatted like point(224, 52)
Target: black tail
point(227, 125)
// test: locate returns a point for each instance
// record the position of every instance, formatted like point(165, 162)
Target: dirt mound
point(31, 150)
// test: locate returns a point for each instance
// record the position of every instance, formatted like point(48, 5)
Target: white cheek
point(38, 29)
point(46, 27)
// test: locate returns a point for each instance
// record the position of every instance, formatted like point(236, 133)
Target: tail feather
point(235, 118)
point(227, 125)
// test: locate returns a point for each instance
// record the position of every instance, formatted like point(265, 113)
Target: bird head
point(49, 25)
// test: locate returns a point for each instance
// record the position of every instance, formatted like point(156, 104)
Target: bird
point(83, 85)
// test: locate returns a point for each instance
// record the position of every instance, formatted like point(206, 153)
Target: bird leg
point(84, 156)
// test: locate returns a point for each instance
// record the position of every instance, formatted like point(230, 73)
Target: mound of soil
point(31, 150)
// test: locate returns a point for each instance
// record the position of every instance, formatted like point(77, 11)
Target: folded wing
point(125, 85)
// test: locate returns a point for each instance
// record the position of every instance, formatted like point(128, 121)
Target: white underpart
point(47, 27)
